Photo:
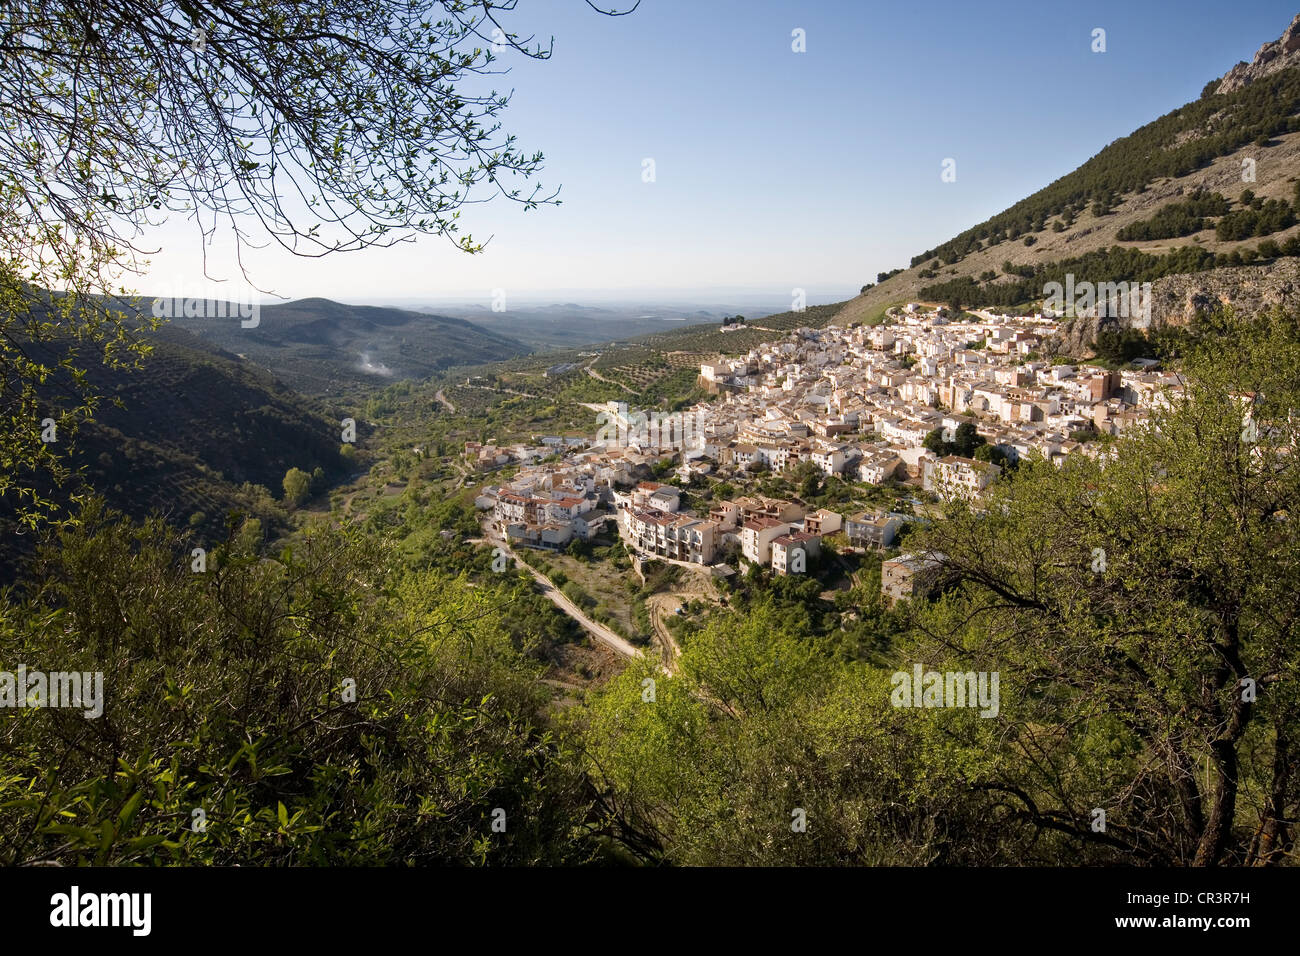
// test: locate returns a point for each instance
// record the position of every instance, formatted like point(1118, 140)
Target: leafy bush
point(316, 707)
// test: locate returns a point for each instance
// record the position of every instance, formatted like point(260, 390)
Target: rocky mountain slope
point(1281, 54)
point(1240, 140)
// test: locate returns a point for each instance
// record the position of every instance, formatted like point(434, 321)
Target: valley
point(993, 565)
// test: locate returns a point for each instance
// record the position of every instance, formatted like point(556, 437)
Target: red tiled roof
point(795, 537)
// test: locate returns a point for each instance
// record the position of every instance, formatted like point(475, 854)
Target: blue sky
point(776, 169)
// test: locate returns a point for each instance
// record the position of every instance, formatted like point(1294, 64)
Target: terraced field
point(640, 375)
point(624, 356)
point(813, 317)
point(473, 401)
point(707, 339)
point(657, 369)
point(688, 359)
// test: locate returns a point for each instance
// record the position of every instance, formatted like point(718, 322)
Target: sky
point(776, 170)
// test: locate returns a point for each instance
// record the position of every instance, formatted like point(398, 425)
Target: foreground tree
point(763, 750)
point(1142, 609)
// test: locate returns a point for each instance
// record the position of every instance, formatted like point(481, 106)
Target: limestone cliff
point(1281, 54)
point(1176, 300)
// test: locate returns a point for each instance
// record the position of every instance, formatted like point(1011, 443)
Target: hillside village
point(885, 405)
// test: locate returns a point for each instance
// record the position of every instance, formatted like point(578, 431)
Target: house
point(552, 536)
point(757, 536)
point(509, 509)
point(696, 539)
point(909, 576)
point(829, 458)
point(791, 552)
point(642, 492)
point(829, 429)
point(677, 536)
point(740, 454)
point(953, 477)
point(907, 433)
point(727, 514)
point(563, 509)
point(485, 456)
point(823, 522)
point(589, 524)
point(666, 498)
point(645, 529)
point(867, 530)
point(761, 507)
point(876, 469)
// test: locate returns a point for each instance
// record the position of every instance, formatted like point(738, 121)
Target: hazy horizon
point(583, 298)
point(774, 169)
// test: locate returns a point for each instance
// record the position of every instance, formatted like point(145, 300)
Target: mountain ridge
point(322, 347)
point(1280, 54)
point(199, 433)
point(1239, 140)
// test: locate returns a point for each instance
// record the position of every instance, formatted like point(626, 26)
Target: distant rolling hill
point(573, 325)
point(325, 348)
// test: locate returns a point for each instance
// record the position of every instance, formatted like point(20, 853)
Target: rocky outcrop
point(1176, 300)
point(1077, 335)
point(1281, 54)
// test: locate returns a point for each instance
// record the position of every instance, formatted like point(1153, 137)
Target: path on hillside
point(443, 398)
point(660, 605)
point(597, 630)
point(609, 381)
point(499, 391)
point(696, 586)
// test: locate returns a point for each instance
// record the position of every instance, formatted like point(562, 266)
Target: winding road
point(597, 630)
